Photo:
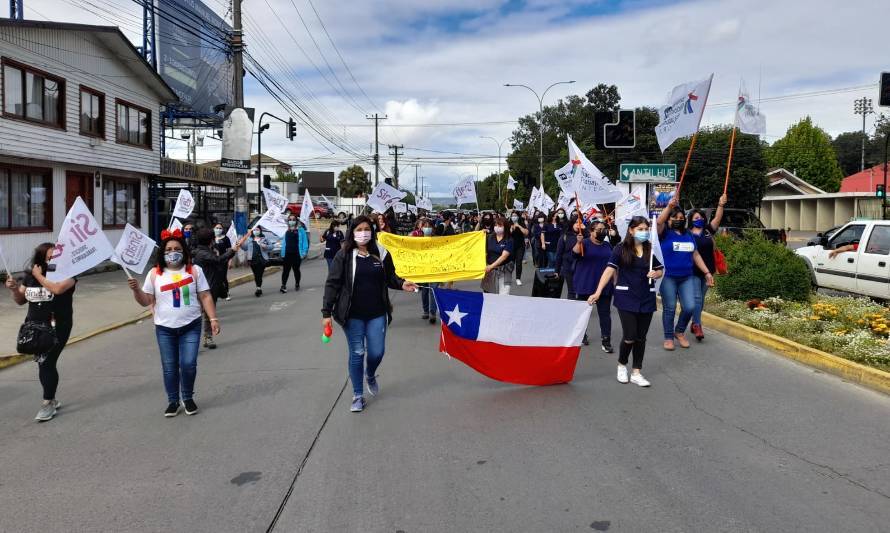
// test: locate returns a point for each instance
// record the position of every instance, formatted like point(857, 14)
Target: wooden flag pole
point(686, 165)
point(729, 161)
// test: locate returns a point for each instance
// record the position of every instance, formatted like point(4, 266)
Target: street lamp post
point(864, 107)
point(541, 110)
point(498, 180)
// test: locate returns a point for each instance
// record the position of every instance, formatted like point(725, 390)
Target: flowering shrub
point(853, 328)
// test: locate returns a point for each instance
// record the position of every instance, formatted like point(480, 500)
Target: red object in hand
point(328, 330)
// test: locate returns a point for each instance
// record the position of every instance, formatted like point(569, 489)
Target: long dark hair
point(160, 264)
point(349, 243)
point(692, 213)
point(39, 257)
point(628, 245)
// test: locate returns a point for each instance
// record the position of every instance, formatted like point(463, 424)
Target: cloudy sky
point(437, 68)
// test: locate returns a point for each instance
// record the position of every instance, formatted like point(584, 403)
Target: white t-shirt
point(176, 295)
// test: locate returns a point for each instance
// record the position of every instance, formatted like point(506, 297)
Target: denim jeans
point(179, 358)
point(673, 289)
point(329, 260)
point(364, 337)
point(428, 299)
point(701, 289)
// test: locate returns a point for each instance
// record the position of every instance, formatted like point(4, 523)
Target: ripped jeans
point(364, 337)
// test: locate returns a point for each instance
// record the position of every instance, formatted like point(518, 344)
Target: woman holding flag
point(592, 257)
point(356, 295)
point(520, 235)
point(703, 232)
point(178, 292)
point(632, 269)
point(257, 248)
point(499, 268)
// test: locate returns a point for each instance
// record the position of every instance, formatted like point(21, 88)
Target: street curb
point(871, 378)
point(14, 359)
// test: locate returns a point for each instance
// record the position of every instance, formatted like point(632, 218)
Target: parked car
point(827, 233)
point(736, 221)
point(274, 241)
point(864, 271)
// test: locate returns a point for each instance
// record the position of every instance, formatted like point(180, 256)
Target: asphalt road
point(729, 438)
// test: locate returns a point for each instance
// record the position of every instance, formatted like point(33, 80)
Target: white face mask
point(499, 230)
point(362, 237)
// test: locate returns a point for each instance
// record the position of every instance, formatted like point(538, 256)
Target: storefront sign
point(185, 171)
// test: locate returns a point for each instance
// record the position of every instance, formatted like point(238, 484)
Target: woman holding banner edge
point(356, 295)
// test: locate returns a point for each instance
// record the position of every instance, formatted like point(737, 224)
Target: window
point(25, 199)
point(133, 125)
point(92, 112)
point(32, 95)
point(879, 241)
point(848, 235)
point(120, 202)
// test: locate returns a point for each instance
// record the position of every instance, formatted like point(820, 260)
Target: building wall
point(78, 58)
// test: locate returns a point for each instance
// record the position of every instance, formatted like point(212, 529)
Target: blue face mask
point(187, 233)
point(427, 231)
point(699, 223)
point(641, 236)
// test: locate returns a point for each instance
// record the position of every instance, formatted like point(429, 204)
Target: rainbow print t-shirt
point(176, 295)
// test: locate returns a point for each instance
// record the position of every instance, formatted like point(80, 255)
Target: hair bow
point(167, 234)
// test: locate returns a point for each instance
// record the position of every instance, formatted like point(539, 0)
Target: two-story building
point(80, 117)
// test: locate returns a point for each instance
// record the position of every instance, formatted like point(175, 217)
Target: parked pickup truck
point(736, 221)
point(864, 270)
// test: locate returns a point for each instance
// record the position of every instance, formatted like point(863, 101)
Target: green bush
point(762, 269)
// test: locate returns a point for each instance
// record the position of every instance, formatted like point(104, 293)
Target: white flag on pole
point(632, 205)
point(564, 201)
point(400, 207)
point(511, 183)
point(681, 115)
point(546, 203)
point(518, 206)
point(185, 204)
point(534, 199)
point(274, 200)
point(425, 203)
point(274, 222)
point(465, 191)
point(81, 244)
point(5, 264)
point(175, 224)
point(580, 176)
point(383, 196)
point(134, 250)
point(306, 209)
point(324, 200)
point(232, 233)
point(412, 209)
point(747, 117)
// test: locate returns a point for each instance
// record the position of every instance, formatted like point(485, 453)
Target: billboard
point(193, 54)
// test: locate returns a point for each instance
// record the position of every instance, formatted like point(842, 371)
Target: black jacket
point(214, 266)
point(338, 287)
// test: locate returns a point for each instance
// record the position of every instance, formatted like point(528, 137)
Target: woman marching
point(498, 268)
point(565, 257)
point(539, 257)
point(549, 241)
point(703, 232)
point(257, 248)
point(333, 241)
point(634, 295)
point(294, 247)
point(356, 295)
point(177, 291)
point(427, 297)
point(592, 257)
point(519, 233)
point(681, 258)
point(48, 302)
point(222, 244)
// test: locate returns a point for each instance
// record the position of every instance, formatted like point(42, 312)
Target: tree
point(806, 150)
point(288, 177)
point(353, 181)
point(848, 149)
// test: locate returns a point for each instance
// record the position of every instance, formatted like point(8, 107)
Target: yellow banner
point(426, 259)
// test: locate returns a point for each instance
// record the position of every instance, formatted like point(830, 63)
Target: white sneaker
point(638, 379)
point(519, 283)
point(622, 374)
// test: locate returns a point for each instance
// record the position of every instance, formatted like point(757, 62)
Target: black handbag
point(36, 338)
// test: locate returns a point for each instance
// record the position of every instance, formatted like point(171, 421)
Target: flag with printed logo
point(306, 209)
point(134, 250)
point(465, 191)
point(81, 244)
point(682, 113)
point(383, 196)
point(748, 118)
point(511, 183)
point(185, 204)
point(580, 176)
point(274, 200)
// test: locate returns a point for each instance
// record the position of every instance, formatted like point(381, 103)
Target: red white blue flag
point(516, 339)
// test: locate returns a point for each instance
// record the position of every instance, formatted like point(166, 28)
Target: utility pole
point(416, 167)
point(864, 107)
point(238, 67)
point(395, 172)
point(376, 118)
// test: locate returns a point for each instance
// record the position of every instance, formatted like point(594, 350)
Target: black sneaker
point(283, 290)
point(585, 341)
point(432, 319)
point(296, 287)
point(172, 410)
point(424, 316)
point(258, 293)
point(607, 345)
point(190, 407)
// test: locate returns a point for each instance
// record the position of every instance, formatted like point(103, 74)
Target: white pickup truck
point(865, 270)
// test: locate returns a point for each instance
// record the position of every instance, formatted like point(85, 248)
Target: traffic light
point(615, 129)
point(291, 129)
point(879, 191)
point(884, 94)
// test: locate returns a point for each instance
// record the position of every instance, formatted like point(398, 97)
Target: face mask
point(427, 231)
point(173, 258)
point(641, 236)
point(291, 223)
point(560, 215)
point(499, 230)
point(362, 237)
point(514, 219)
point(217, 231)
point(540, 221)
point(187, 233)
point(256, 233)
point(678, 224)
point(601, 234)
point(699, 223)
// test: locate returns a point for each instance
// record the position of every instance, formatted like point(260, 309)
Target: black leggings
point(258, 268)
point(635, 327)
point(518, 256)
point(291, 262)
point(47, 371)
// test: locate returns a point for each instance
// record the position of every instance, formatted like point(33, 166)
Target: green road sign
point(646, 172)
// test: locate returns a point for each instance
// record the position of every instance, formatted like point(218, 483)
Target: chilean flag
point(516, 339)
